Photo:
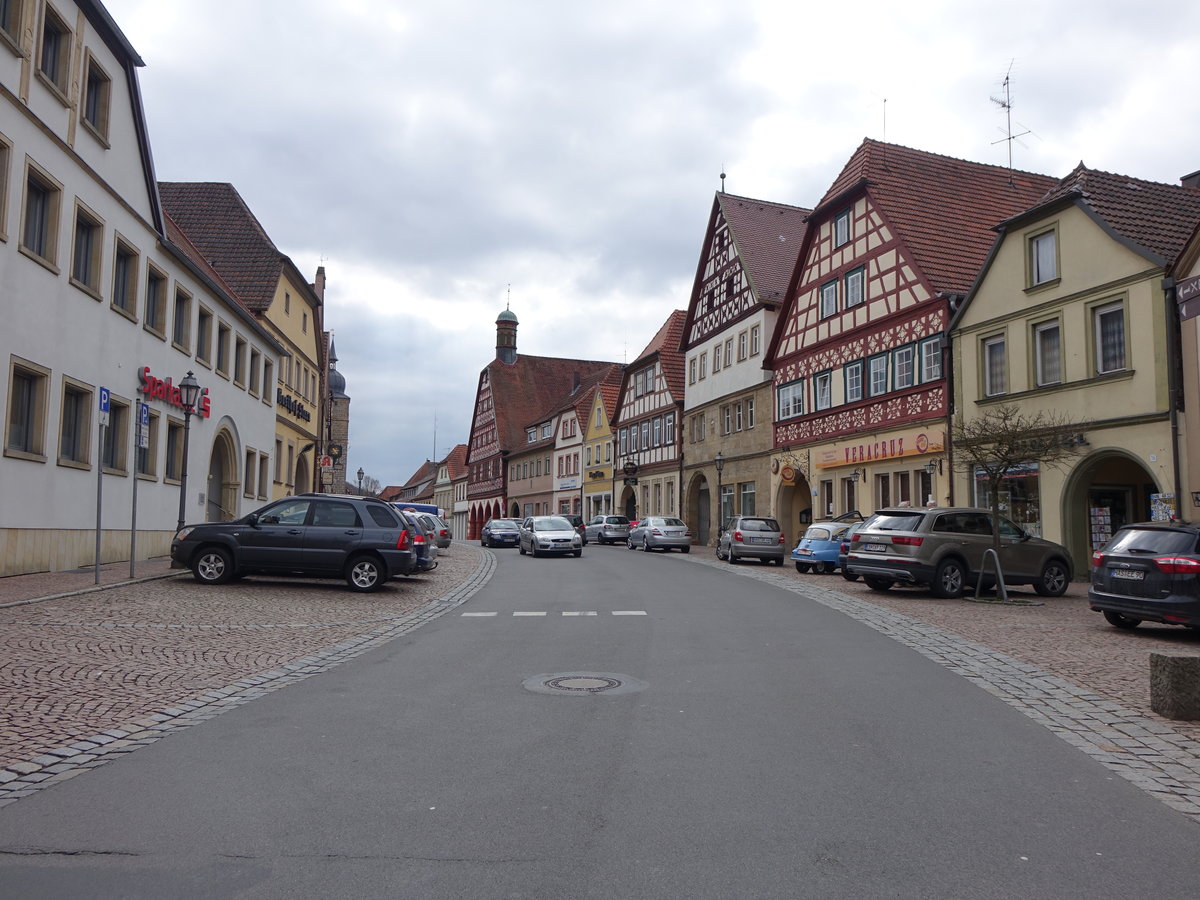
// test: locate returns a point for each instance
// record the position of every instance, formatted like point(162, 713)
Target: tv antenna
point(1006, 105)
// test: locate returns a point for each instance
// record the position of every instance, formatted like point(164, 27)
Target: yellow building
point(598, 451)
point(1069, 315)
point(216, 219)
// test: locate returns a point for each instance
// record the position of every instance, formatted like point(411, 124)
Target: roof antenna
point(722, 178)
point(885, 120)
point(1006, 105)
point(508, 298)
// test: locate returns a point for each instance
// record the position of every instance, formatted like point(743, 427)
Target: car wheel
point(1053, 581)
point(521, 548)
point(686, 549)
point(802, 568)
point(365, 574)
point(828, 568)
point(948, 579)
point(213, 565)
point(533, 550)
point(878, 582)
point(645, 545)
point(778, 561)
point(1120, 620)
point(629, 545)
point(733, 560)
point(849, 576)
point(578, 553)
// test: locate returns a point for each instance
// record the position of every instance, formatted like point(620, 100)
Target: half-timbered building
point(515, 392)
point(861, 404)
point(649, 449)
point(598, 451)
point(749, 252)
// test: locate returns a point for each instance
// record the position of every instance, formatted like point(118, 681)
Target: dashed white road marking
point(478, 614)
point(629, 612)
point(577, 612)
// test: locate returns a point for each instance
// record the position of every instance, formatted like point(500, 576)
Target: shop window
point(115, 437)
point(1019, 494)
point(746, 494)
point(147, 458)
point(174, 464)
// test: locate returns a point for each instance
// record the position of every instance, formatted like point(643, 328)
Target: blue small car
point(818, 549)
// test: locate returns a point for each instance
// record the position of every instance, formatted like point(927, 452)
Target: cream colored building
point(1069, 315)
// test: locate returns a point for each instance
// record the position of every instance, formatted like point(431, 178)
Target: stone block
point(1175, 686)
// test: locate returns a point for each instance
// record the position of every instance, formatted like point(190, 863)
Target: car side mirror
point(252, 520)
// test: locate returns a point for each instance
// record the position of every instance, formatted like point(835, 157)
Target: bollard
point(1175, 686)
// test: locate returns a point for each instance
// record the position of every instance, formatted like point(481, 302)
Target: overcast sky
point(432, 153)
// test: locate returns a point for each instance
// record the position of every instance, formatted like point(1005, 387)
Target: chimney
point(318, 286)
point(1191, 181)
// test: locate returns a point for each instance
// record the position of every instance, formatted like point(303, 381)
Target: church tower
point(506, 336)
point(339, 423)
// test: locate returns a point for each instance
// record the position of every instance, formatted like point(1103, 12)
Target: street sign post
point(103, 424)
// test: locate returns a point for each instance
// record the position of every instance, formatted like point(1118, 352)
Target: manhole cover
point(583, 683)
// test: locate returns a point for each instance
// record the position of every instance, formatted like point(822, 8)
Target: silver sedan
point(549, 534)
point(660, 533)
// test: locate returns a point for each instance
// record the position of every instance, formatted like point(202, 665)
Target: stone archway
point(1108, 478)
point(698, 510)
point(223, 484)
point(303, 483)
point(793, 508)
point(629, 503)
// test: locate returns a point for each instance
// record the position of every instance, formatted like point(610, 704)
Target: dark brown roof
point(1152, 218)
point(525, 391)
point(767, 237)
point(456, 462)
point(943, 209)
point(221, 226)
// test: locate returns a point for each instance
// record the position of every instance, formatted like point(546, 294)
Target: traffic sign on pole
point(104, 402)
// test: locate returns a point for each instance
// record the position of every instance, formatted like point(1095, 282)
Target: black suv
point(361, 539)
point(1148, 572)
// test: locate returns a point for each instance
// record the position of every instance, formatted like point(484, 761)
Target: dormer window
point(841, 228)
point(1043, 258)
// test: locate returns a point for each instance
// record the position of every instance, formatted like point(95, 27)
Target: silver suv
point(752, 537)
point(944, 548)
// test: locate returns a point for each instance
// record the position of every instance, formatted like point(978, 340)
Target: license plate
point(804, 551)
point(755, 540)
point(875, 548)
point(1127, 574)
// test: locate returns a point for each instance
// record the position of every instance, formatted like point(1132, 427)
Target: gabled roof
point(526, 390)
point(580, 399)
point(767, 237)
point(219, 223)
point(664, 347)
point(942, 208)
point(1153, 219)
point(420, 485)
point(456, 462)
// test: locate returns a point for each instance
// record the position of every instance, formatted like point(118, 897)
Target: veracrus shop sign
point(164, 389)
point(893, 446)
point(292, 405)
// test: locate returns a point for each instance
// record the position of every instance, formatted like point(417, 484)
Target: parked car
point(752, 537)
point(424, 543)
point(579, 525)
point(360, 539)
point(500, 533)
point(844, 549)
point(437, 525)
point(549, 534)
point(660, 533)
point(944, 548)
point(1148, 572)
point(818, 550)
point(607, 530)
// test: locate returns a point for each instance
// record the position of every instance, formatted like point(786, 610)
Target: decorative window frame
point(855, 277)
point(823, 390)
point(789, 400)
point(852, 372)
point(828, 299)
point(841, 229)
point(902, 357)
point(877, 364)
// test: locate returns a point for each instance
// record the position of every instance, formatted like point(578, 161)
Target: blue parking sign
point(104, 396)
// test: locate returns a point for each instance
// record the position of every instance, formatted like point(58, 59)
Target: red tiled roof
point(767, 237)
point(944, 209)
point(426, 472)
point(221, 226)
point(665, 344)
point(525, 391)
point(456, 462)
point(1155, 219)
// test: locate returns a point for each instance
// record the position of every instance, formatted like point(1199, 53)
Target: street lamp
point(189, 393)
point(719, 462)
point(360, 474)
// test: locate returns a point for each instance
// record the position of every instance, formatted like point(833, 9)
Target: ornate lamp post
point(189, 393)
point(360, 473)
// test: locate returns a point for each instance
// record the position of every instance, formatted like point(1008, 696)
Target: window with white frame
point(530, 435)
point(547, 430)
point(1043, 258)
point(728, 352)
point(749, 412)
point(755, 340)
point(644, 444)
point(739, 416)
point(877, 375)
point(995, 367)
point(703, 365)
point(791, 399)
point(743, 345)
point(854, 287)
point(1047, 350)
point(841, 228)
point(853, 374)
point(931, 359)
point(717, 357)
point(829, 291)
point(623, 436)
point(903, 367)
point(823, 390)
point(746, 494)
point(726, 419)
point(656, 435)
point(1109, 337)
point(692, 370)
point(669, 429)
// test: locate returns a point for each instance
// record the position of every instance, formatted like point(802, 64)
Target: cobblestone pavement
point(89, 674)
point(1059, 663)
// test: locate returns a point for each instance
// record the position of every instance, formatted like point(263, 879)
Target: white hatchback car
point(549, 534)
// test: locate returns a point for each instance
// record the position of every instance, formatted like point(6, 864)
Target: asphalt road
point(758, 746)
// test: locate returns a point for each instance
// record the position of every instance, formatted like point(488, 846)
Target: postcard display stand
point(1101, 518)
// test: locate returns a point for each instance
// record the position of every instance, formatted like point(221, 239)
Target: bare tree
point(370, 485)
point(1004, 438)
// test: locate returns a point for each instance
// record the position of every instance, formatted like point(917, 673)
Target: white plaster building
point(99, 293)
